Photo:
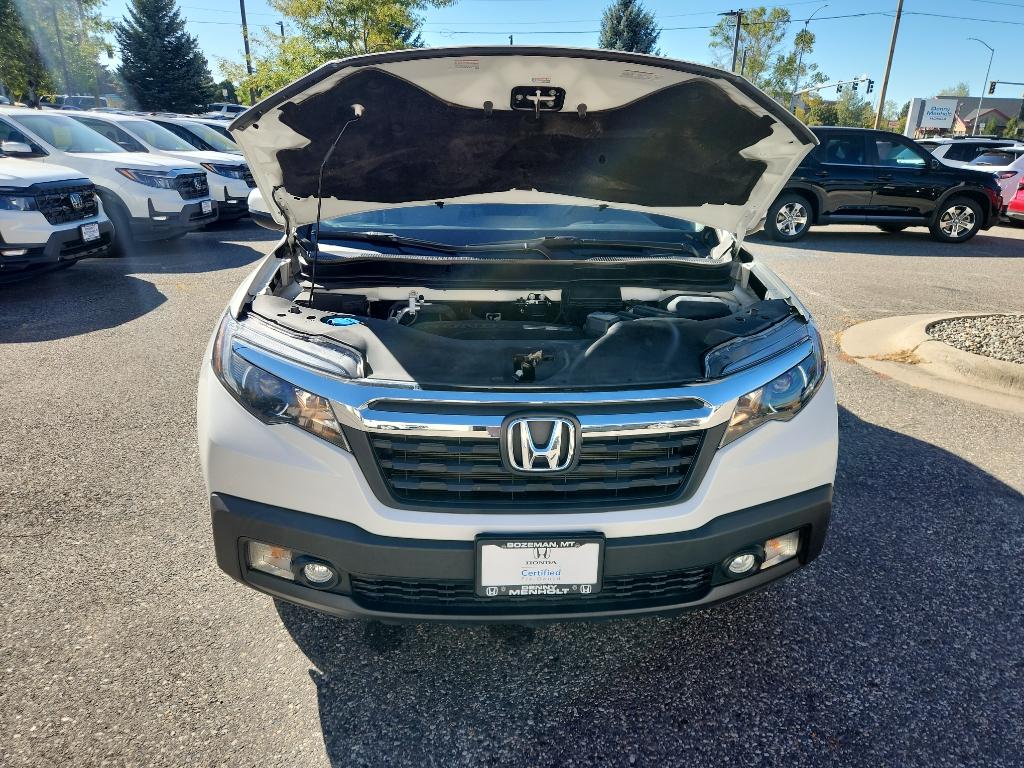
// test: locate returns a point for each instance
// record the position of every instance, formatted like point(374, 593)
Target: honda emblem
point(540, 444)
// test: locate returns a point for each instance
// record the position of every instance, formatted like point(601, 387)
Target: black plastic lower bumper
point(62, 248)
point(435, 566)
point(160, 225)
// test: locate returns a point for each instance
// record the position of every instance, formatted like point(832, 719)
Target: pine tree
point(627, 26)
point(161, 64)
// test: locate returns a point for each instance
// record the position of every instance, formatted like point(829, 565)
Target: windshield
point(67, 134)
point(460, 224)
point(157, 136)
point(214, 138)
point(1003, 157)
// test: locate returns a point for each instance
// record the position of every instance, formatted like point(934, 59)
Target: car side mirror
point(17, 149)
point(935, 164)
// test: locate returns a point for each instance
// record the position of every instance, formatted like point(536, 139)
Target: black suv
point(861, 176)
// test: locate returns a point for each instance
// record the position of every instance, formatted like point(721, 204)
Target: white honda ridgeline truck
point(510, 361)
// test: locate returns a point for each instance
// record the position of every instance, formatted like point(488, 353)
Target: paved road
point(122, 644)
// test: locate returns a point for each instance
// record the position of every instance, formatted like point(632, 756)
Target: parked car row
point(954, 187)
point(80, 184)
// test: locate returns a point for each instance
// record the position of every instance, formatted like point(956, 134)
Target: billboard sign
point(938, 113)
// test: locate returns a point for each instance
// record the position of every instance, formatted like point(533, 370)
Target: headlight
point(161, 179)
point(270, 398)
point(18, 203)
point(782, 398)
point(231, 171)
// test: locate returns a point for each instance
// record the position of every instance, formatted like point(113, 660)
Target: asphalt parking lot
point(122, 643)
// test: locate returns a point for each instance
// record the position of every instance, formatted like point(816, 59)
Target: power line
point(588, 21)
point(671, 29)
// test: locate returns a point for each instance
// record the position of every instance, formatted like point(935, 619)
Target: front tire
point(957, 221)
point(789, 218)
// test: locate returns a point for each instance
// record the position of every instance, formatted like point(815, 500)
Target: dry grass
point(906, 356)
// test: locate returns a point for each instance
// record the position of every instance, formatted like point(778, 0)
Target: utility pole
point(510, 40)
point(981, 98)
point(249, 58)
point(888, 64)
point(60, 50)
point(738, 15)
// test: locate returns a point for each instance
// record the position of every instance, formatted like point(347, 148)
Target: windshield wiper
point(544, 246)
point(563, 243)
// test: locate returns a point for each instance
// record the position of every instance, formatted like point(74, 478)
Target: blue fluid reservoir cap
point(340, 321)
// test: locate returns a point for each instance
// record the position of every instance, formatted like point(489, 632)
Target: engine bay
point(583, 335)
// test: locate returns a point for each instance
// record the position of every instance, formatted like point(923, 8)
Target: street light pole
point(888, 65)
point(800, 63)
point(981, 97)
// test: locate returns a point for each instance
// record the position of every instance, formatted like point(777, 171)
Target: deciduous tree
point(324, 30)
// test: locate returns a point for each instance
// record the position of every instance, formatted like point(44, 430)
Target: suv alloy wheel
point(958, 219)
point(789, 218)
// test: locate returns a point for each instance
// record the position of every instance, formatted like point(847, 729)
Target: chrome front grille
point(192, 185)
point(61, 205)
point(470, 471)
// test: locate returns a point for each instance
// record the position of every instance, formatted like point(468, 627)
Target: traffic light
point(871, 86)
point(854, 86)
point(991, 87)
point(839, 88)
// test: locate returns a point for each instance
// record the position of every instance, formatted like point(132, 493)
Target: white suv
point(510, 361)
point(50, 217)
point(146, 196)
point(227, 174)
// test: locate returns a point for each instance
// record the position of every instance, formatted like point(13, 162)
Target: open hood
point(522, 125)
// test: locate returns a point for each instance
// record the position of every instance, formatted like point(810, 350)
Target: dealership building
point(957, 115)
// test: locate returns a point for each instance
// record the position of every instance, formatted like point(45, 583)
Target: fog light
point(270, 559)
point(315, 573)
point(780, 549)
point(15, 252)
point(742, 563)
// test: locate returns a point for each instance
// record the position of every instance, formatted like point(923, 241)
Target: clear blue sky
point(931, 53)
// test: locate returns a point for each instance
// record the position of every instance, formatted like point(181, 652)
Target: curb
point(901, 347)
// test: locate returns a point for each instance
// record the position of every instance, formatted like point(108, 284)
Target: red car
point(1015, 208)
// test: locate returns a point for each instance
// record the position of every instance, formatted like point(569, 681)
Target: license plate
point(89, 232)
point(207, 206)
point(557, 566)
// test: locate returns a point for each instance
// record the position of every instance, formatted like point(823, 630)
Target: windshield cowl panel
point(540, 228)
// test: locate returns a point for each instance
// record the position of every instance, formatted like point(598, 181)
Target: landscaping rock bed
point(997, 336)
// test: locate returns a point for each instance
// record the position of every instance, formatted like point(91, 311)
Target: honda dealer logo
point(540, 444)
point(76, 201)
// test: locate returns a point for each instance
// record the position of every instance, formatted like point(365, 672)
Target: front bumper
point(63, 247)
point(437, 567)
point(160, 225)
point(232, 196)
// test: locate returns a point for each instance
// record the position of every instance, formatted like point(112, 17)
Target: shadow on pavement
point(998, 242)
point(95, 294)
point(899, 646)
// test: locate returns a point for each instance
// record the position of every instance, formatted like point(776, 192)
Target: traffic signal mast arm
point(838, 85)
point(993, 83)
